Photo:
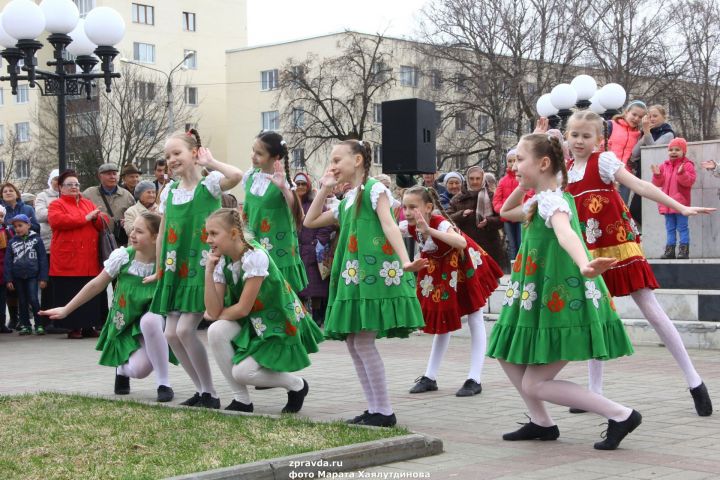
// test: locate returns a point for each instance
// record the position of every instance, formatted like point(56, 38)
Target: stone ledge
point(341, 459)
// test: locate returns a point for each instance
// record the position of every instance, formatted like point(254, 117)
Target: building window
point(298, 159)
point(2, 170)
point(269, 80)
point(461, 83)
point(483, 124)
point(438, 119)
point(2, 97)
point(380, 71)
point(435, 79)
point(146, 128)
point(143, 14)
point(22, 168)
point(191, 96)
point(191, 59)
point(23, 94)
point(144, 52)
point(271, 120)
point(377, 154)
point(298, 117)
point(2, 137)
point(147, 164)
point(84, 6)
point(144, 90)
point(531, 89)
point(188, 126)
point(408, 76)
point(22, 132)
point(297, 75)
point(460, 122)
point(508, 127)
point(188, 21)
point(377, 112)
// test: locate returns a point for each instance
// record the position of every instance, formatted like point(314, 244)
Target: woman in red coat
point(75, 223)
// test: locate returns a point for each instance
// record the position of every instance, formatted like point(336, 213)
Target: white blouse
point(254, 263)
point(375, 193)
point(120, 257)
point(182, 196)
point(549, 202)
point(261, 181)
point(427, 244)
point(608, 164)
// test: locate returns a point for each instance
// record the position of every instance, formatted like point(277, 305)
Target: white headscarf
point(54, 174)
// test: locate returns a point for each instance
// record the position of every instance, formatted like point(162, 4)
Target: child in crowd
point(182, 253)
point(675, 177)
point(4, 239)
point(458, 280)
point(555, 310)
point(263, 330)
point(506, 186)
point(132, 338)
point(272, 209)
point(609, 231)
point(26, 269)
point(372, 295)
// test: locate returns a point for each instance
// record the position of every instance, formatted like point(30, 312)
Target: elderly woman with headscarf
point(144, 193)
point(453, 183)
point(473, 213)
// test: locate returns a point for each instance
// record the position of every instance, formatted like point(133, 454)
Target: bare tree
point(17, 157)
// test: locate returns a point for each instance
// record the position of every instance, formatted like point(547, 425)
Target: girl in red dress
point(458, 280)
point(610, 231)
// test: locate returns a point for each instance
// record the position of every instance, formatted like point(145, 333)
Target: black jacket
point(25, 257)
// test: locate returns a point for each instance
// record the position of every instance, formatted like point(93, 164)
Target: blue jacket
point(25, 257)
point(20, 207)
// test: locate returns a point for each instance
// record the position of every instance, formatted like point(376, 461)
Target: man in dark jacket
point(26, 265)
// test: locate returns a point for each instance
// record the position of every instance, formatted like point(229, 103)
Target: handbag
point(118, 231)
point(106, 241)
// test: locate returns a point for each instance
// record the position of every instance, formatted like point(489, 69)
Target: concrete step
point(700, 273)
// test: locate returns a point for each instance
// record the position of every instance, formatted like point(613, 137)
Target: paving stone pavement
point(673, 442)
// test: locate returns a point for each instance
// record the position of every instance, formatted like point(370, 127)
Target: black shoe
point(236, 406)
point(165, 393)
point(4, 329)
point(122, 385)
point(469, 388)
point(296, 399)
point(616, 431)
point(576, 410)
point(669, 252)
point(192, 401)
point(359, 419)
point(532, 431)
point(208, 401)
point(424, 384)
point(379, 420)
point(683, 252)
point(703, 405)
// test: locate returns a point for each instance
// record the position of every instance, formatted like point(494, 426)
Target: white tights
point(478, 345)
point(181, 334)
point(152, 354)
point(370, 370)
point(652, 310)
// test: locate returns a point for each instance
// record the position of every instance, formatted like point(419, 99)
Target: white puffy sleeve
point(378, 189)
point(212, 183)
point(163, 198)
point(608, 164)
point(218, 274)
point(444, 226)
point(403, 225)
point(246, 175)
point(115, 261)
point(550, 202)
point(255, 264)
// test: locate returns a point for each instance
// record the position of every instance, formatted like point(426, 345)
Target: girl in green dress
point(272, 209)
point(182, 253)
point(557, 308)
point(263, 330)
point(372, 293)
point(132, 339)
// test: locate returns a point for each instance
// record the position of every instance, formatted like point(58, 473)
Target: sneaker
point(122, 385)
point(24, 331)
point(165, 393)
point(469, 388)
point(359, 419)
point(208, 401)
point(192, 401)
point(701, 397)
point(532, 431)
point(379, 420)
point(296, 399)
point(616, 431)
point(424, 384)
point(39, 330)
point(576, 410)
point(236, 406)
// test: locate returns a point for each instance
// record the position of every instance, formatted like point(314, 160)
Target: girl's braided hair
point(544, 145)
point(363, 148)
point(232, 218)
point(277, 147)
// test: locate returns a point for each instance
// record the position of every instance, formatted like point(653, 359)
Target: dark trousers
point(3, 299)
point(512, 233)
point(28, 297)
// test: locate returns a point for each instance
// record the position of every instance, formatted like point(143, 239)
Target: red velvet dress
point(455, 282)
point(609, 231)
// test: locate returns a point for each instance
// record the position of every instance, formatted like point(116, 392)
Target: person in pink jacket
point(675, 177)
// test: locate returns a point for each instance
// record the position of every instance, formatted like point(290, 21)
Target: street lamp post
point(168, 87)
point(22, 21)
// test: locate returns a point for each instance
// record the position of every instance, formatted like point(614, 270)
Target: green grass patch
point(55, 436)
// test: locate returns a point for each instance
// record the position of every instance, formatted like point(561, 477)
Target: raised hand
point(328, 180)
point(708, 165)
point(690, 211)
point(681, 168)
point(597, 267)
point(278, 177)
point(204, 157)
point(420, 222)
point(415, 266)
point(646, 123)
point(542, 125)
point(655, 169)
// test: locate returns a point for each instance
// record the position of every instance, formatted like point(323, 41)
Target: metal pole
point(171, 113)
point(61, 106)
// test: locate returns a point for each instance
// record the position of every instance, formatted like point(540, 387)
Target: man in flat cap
point(111, 199)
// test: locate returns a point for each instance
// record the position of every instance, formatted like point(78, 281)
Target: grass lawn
point(54, 436)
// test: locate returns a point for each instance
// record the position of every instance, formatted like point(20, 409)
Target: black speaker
point(408, 136)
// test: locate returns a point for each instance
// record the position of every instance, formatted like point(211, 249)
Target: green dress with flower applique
point(269, 218)
point(550, 311)
point(369, 291)
point(278, 333)
point(181, 283)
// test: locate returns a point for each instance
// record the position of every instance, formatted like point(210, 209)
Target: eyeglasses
point(71, 185)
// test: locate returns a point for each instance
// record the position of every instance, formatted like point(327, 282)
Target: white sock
point(439, 347)
point(649, 306)
point(478, 344)
point(220, 335)
point(249, 372)
point(151, 326)
point(360, 370)
point(595, 376)
point(375, 369)
point(138, 365)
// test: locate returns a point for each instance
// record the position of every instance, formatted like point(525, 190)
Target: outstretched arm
point(89, 291)
point(573, 245)
point(648, 190)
